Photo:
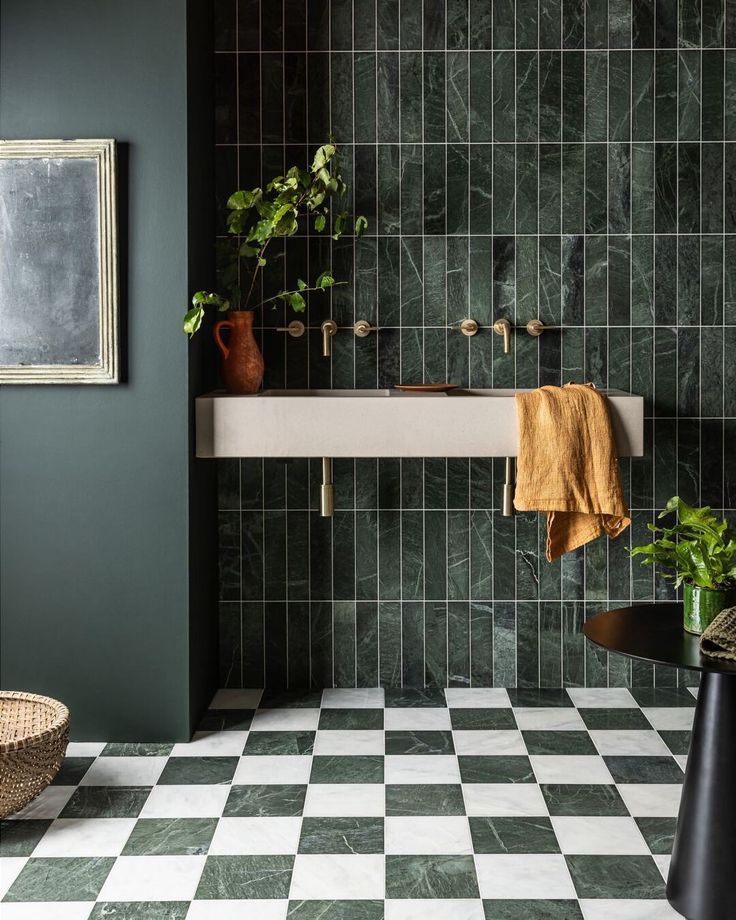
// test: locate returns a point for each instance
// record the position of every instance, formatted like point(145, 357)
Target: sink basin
point(354, 423)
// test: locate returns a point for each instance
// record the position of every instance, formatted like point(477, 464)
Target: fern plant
point(258, 216)
point(700, 549)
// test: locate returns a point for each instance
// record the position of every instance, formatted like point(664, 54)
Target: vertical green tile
point(596, 96)
point(275, 653)
point(596, 280)
point(550, 644)
point(481, 555)
point(527, 561)
point(504, 645)
point(689, 23)
point(387, 24)
point(573, 645)
point(433, 20)
point(665, 107)
point(410, 83)
point(596, 188)
point(527, 273)
point(619, 289)
point(387, 99)
point(665, 188)
point(344, 643)
point(642, 23)
point(457, 112)
point(573, 188)
point(297, 615)
point(596, 23)
point(504, 180)
point(527, 102)
point(688, 280)
point(458, 554)
point(619, 188)
point(253, 622)
point(412, 644)
point(503, 24)
point(229, 555)
point(458, 188)
point(550, 89)
point(321, 636)
point(642, 97)
point(434, 189)
point(366, 643)
point(412, 555)
point(619, 23)
point(434, 96)
point(619, 96)
point(436, 643)
point(230, 650)
point(712, 23)
point(527, 638)
point(550, 22)
point(642, 188)
point(527, 207)
point(573, 99)
point(389, 643)
point(410, 25)
point(711, 188)
point(481, 645)
point(504, 562)
point(550, 162)
point(435, 552)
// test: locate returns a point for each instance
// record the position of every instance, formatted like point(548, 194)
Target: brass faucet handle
point(363, 328)
point(503, 327)
point(295, 328)
point(536, 327)
point(329, 328)
point(468, 327)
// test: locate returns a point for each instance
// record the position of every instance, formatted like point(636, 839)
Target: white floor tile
point(153, 878)
point(663, 864)
point(193, 801)
point(524, 876)
point(566, 768)
point(503, 741)
point(253, 909)
point(601, 698)
point(85, 837)
point(549, 719)
point(255, 836)
point(622, 909)
point(694, 691)
point(651, 800)
point(434, 909)
point(269, 769)
point(629, 742)
point(421, 768)
point(499, 799)
point(427, 836)
point(236, 699)
point(599, 836)
point(477, 698)
point(124, 771)
point(10, 867)
point(47, 910)
point(85, 748)
point(416, 718)
point(337, 877)
point(359, 698)
point(47, 805)
point(349, 742)
point(212, 744)
point(681, 760)
point(345, 800)
point(671, 718)
point(285, 720)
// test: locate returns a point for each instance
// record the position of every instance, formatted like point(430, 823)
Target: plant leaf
point(240, 201)
point(325, 280)
point(193, 320)
point(361, 225)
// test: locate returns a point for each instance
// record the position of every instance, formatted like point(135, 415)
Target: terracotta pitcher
point(242, 361)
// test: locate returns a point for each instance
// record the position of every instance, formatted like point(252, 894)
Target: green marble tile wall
point(567, 159)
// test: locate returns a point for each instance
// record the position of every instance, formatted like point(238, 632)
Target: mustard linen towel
point(567, 465)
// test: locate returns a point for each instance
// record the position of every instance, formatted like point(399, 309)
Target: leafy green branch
point(258, 216)
point(699, 549)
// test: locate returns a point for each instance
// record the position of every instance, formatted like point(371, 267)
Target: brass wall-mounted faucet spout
point(329, 328)
point(295, 328)
point(503, 327)
point(363, 328)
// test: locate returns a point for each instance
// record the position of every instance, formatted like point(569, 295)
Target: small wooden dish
point(426, 387)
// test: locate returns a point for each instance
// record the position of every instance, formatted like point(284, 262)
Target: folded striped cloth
point(719, 639)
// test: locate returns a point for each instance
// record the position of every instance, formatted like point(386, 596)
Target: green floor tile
point(341, 835)
point(482, 719)
point(495, 769)
point(431, 877)
point(407, 697)
point(170, 837)
point(532, 910)
point(19, 838)
point(662, 696)
point(644, 769)
point(335, 910)
point(63, 879)
point(254, 801)
point(300, 742)
point(211, 771)
point(351, 719)
point(558, 742)
point(583, 799)
point(361, 768)
point(513, 835)
point(106, 802)
point(533, 697)
point(613, 719)
point(291, 699)
point(424, 799)
point(658, 833)
point(140, 910)
point(134, 749)
point(677, 741)
point(226, 720)
point(244, 877)
point(635, 877)
point(419, 742)
point(72, 770)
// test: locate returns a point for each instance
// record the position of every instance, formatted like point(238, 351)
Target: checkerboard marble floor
point(485, 804)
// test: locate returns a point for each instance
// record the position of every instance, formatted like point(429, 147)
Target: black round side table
point(702, 879)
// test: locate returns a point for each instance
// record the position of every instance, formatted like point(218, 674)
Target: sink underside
point(356, 423)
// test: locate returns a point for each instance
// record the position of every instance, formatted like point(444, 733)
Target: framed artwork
point(58, 262)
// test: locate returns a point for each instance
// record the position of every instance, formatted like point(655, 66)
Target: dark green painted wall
point(100, 606)
point(573, 160)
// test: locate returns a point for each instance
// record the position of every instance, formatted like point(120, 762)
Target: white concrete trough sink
point(381, 423)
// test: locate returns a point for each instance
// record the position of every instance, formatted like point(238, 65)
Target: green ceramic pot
point(702, 606)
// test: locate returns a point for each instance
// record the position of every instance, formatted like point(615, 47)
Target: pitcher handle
point(223, 324)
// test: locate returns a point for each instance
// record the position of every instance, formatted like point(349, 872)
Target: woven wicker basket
point(34, 732)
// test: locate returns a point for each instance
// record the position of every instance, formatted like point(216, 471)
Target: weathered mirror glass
point(58, 262)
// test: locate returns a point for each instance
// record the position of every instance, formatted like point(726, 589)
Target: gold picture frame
point(59, 310)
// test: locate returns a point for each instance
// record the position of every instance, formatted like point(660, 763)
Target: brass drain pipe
point(326, 494)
